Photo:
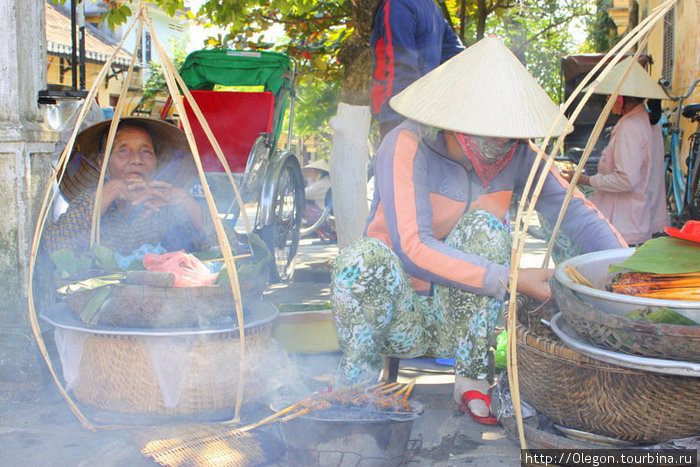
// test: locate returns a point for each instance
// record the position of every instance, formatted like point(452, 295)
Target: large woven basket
point(622, 334)
point(578, 392)
point(117, 371)
point(147, 306)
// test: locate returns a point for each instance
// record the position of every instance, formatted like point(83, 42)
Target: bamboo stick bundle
point(637, 36)
point(578, 277)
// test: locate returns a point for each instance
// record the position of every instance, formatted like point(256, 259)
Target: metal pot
point(348, 437)
point(594, 267)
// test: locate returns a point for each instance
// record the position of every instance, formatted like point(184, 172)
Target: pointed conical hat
point(320, 164)
point(484, 90)
point(638, 83)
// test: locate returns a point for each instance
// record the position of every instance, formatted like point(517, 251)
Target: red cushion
point(236, 119)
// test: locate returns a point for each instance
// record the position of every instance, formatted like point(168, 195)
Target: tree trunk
point(482, 13)
point(351, 128)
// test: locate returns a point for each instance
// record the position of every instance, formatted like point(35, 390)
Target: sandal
point(469, 396)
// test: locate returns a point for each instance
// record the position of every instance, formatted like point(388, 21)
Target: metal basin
point(594, 267)
point(343, 437)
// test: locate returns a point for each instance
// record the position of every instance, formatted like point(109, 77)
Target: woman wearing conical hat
point(430, 275)
point(144, 197)
point(629, 188)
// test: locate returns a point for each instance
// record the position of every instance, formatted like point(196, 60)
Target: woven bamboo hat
point(320, 164)
point(175, 163)
point(638, 83)
point(484, 90)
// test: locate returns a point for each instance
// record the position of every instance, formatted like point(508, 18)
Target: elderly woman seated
point(144, 199)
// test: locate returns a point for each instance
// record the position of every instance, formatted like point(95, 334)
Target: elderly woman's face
point(133, 158)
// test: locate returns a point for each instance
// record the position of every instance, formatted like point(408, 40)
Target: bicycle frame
point(679, 182)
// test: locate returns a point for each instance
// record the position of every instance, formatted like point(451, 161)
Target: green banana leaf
point(68, 264)
point(663, 255)
point(92, 310)
point(661, 315)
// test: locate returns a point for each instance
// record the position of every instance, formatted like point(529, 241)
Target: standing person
point(629, 187)
point(409, 38)
point(431, 274)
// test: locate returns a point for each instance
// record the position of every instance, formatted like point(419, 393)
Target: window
point(669, 26)
point(147, 47)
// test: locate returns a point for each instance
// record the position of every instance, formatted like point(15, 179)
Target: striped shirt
point(420, 194)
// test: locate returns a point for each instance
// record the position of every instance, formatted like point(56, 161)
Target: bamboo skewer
point(409, 389)
point(578, 277)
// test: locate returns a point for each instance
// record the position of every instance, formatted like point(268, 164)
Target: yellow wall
point(686, 67)
point(113, 88)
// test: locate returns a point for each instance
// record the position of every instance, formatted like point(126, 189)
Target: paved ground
point(41, 431)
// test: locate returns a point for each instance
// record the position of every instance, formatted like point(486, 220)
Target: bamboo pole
point(522, 225)
point(48, 198)
point(118, 111)
point(170, 75)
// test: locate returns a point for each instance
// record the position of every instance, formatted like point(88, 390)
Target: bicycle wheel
point(282, 235)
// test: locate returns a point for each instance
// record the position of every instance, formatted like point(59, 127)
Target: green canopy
point(203, 69)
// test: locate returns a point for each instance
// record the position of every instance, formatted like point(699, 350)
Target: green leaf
point(661, 315)
point(104, 258)
point(66, 262)
point(90, 314)
point(664, 255)
point(222, 278)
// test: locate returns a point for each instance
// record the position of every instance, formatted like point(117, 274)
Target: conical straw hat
point(638, 83)
point(175, 162)
point(484, 90)
point(320, 164)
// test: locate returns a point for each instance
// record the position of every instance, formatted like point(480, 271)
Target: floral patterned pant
point(378, 313)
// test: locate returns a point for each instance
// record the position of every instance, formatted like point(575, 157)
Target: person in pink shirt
point(629, 186)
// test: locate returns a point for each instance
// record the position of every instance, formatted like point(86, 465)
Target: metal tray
point(594, 267)
point(655, 365)
point(256, 314)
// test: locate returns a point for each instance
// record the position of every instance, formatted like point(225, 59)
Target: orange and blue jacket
point(420, 194)
point(409, 38)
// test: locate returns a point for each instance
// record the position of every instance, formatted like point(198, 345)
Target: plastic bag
point(189, 271)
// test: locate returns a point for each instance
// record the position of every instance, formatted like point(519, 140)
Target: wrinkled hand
point(533, 282)
point(153, 195)
point(158, 194)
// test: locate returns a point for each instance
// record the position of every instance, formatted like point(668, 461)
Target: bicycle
point(682, 197)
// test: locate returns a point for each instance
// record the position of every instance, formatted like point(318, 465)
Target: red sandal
point(469, 396)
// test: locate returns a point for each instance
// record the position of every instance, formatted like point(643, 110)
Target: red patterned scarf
point(487, 162)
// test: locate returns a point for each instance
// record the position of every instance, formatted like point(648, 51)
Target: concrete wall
point(26, 150)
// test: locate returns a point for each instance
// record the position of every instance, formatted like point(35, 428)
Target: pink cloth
point(629, 185)
point(657, 182)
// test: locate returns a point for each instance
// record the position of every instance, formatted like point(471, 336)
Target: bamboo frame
point(172, 79)
point(635, 36)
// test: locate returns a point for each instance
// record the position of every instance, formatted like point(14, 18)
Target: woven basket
point(117, 372)
point(621, 334)
point(575, 391)
point(147, 306)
